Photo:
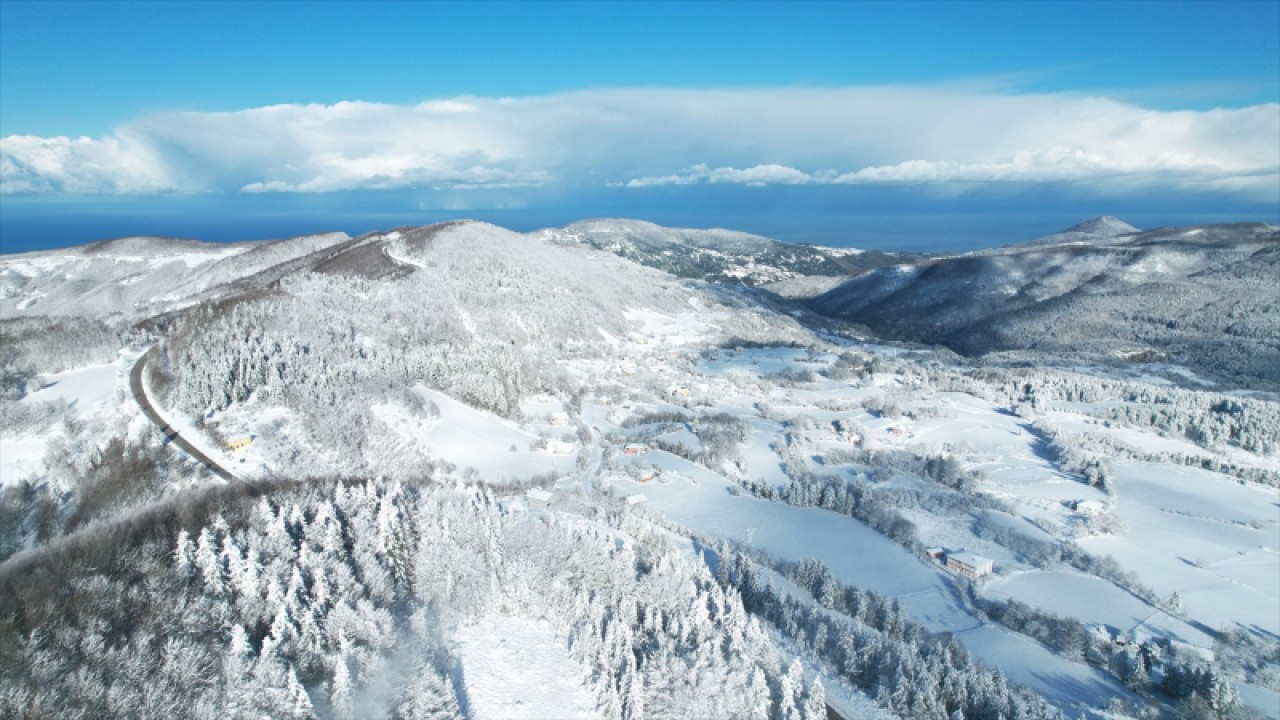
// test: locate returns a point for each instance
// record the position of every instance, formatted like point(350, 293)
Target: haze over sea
point(944, 228)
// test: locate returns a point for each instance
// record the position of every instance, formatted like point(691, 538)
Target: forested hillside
point(1203, 297)
point(721, 256)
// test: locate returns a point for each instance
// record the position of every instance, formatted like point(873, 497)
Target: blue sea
point(955, 225)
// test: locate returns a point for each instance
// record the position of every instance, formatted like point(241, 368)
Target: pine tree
point(789, 696)
point(759, 700)
point(340, 688)
point(815, 704)
point(299, 703)
point(209, 563)
point(184, 556)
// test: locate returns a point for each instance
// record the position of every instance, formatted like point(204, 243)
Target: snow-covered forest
point(456, 471)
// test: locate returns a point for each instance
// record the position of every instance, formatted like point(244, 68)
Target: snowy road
point(140, 394)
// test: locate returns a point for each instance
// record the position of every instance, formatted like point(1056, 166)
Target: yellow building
point(238, 442)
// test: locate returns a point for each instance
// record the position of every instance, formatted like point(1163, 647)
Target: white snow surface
point(515, 668)
point(1093, 601)
point(1203, 535)
point(90, 392)
point(474, 438)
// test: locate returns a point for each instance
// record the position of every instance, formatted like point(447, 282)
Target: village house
point(539, 498)
point(974, 567)
point(559, 419)
point(238, 442)
point(635, 449)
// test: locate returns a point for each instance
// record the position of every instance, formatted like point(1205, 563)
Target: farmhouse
point(559, 419)
point(238, 442)
point(969, 565)
point(636, 499)
point(635, 449)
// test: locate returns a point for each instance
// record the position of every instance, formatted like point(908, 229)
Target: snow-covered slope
point(723, 256)
point(1205, 296)
point(135, 276)
point(110, 276)
point(483, 314)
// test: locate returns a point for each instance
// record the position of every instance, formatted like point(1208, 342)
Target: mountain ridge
point(1194, 294)
point(716, 255)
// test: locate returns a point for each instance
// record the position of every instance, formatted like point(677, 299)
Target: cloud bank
point(644, 138)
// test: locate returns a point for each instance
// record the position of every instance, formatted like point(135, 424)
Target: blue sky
point(916, 125)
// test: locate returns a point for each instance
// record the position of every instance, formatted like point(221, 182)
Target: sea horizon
point(919, 231)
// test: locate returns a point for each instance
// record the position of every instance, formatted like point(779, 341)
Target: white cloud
point(644, 137)
point(755, 176)
point(122, 163)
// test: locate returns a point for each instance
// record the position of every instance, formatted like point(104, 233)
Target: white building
point(969, 565)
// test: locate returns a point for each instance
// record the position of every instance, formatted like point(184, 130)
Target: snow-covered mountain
point(721, 256)
point(478, 312)
point(136, 276)
point(1204, 296)
point(1103, 227)
point(456, 471)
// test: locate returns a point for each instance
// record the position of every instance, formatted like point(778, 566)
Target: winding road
point(140, 394)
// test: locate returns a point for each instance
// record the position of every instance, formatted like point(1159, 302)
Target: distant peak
point(614, 225)
point(1103, 225)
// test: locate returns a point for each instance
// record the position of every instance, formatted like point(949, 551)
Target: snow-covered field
point(90, 393)
point(698, 499)
point(1095, 602)
point(518, 669)
point(471, 438)
point(1163, 513)
point(1203, 535)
